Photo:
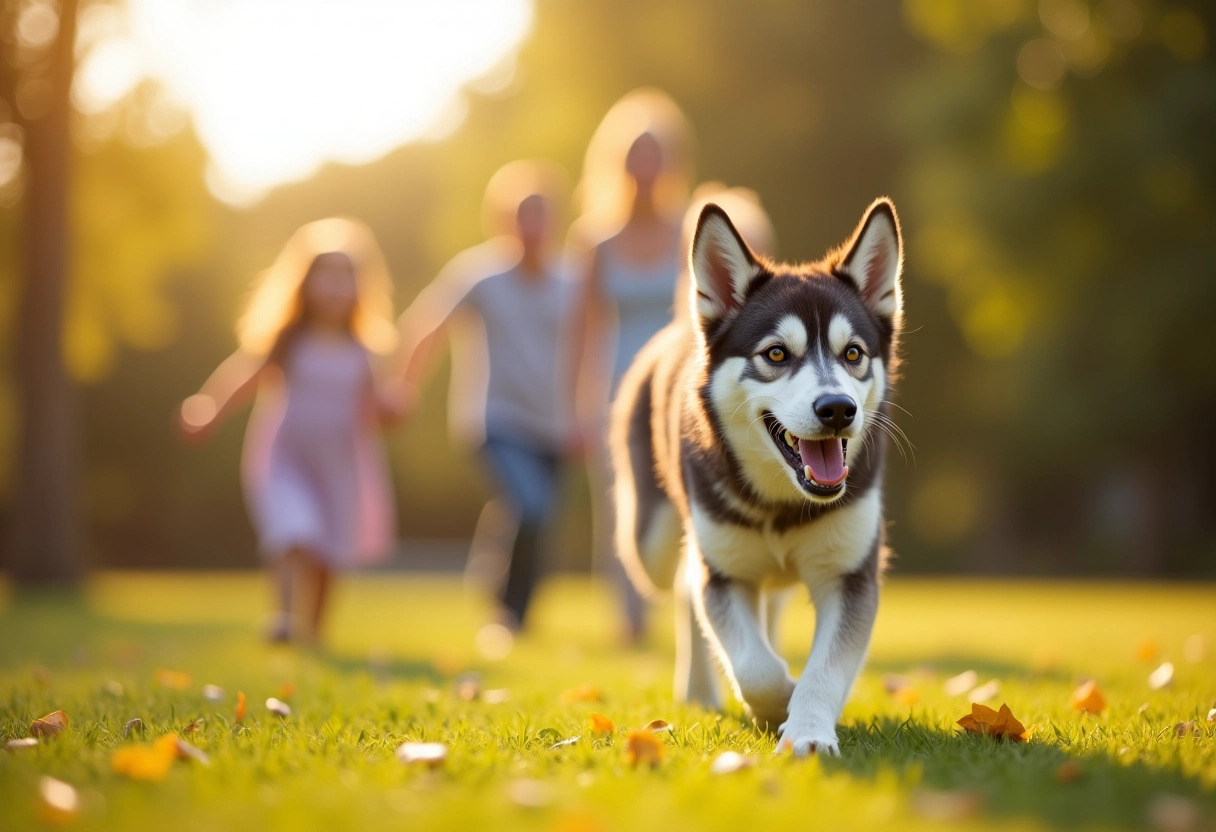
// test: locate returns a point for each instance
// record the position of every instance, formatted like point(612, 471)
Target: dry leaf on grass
point(601, 724)
point(430, 754)
point(174, 679)
point(658, 726)
point(565, 743)
point(583, 693)
point(241, 704)
point(1187, 728)
point(947, 805)
point(642, 746)
point(50, 725)
point(58, 803)
point(278, 707)
point(186, 751)
point(1161, 677)
point(728, 762)
point(1088, 698)
point(193, 726)
point(146, 762)
point(133, 726)
point(1173, 813)
point(530, 793)
point(986, 691)
point(985, 721)
point(1068, 771)
point(960, 684)
point(1147, 650)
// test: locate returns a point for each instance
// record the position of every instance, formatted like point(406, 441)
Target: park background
point(1051, 162)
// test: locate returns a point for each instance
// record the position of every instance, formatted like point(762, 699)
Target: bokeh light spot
point(1183, 34)
point(1041, 64)
point(945, 505)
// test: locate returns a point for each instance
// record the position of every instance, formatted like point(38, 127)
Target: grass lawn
point(400, 645)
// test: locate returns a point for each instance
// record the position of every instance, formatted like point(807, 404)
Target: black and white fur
point(697, 448)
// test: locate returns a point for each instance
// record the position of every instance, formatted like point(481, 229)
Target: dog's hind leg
point(696, 680)
point(647, 524)
point(775, 601)
point(729, 611)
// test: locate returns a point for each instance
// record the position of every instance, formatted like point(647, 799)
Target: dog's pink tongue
point(825, 458)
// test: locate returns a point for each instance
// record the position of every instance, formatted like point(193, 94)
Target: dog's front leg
point(845, 607)
point(729, 612)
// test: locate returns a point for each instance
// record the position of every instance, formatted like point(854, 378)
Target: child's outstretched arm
point(424, 324)
point(232, 386)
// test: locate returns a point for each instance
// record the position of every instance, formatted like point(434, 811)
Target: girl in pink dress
point(313, 470)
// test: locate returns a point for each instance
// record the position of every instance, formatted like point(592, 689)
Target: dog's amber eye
point(776, 355)
point(852, 354)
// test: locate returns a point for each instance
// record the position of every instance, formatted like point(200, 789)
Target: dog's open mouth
point(818, 463)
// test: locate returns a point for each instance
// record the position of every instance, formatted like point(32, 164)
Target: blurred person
point(507, 306)
point(313, 470)
point(633, 191)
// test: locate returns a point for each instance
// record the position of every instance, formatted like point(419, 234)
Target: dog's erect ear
point(722, 266)
point(874, 260)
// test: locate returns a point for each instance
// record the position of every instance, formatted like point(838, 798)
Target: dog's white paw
point(768, 704)
point(804, 740)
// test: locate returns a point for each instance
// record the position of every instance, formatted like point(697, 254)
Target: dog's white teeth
point(806, 471)
point(791, 440)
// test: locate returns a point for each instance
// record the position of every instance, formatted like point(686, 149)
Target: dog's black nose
point(836, 412)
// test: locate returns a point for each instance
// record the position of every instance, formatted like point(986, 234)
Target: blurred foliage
point(1050, 161)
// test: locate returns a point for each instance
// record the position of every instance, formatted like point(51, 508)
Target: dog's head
point(797, 358)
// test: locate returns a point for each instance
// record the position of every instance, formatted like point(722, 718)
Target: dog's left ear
point(722, 267)
point(874, 259)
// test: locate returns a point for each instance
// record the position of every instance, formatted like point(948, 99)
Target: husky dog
point(754, 429)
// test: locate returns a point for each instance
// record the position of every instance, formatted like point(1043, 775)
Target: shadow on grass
point(1009, 780)
point(382, 669)
point(984, 666)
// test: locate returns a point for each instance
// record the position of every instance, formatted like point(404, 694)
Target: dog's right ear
point(722, 266)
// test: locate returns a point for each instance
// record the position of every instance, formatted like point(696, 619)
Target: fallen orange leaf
point(1067, 772)
point(601, 724)
point(582, 693)
point(1088, 698)
point(1147, 650)
point(172, 679)
point(642, 746)
point(146, 762)
point(193, 726)
point(186, 751)
point(983, 720)
point(239, 713)
point(658, 725)
point(50, 725)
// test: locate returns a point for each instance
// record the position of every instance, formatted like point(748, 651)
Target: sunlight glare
point(277, 89)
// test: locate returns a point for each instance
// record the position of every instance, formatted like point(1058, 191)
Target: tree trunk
point(42, 544)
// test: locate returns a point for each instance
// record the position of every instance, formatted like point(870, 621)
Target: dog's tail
point(647, 533)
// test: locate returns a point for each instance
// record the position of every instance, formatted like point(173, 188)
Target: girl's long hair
point(606, 189)
point(275, 312)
